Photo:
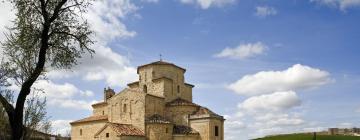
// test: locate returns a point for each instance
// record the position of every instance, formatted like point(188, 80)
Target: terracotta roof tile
point(136, 82)
point(204, 112)
point(99, 103)
point(160, 63)
point(180, 101)
point(156, 118)
point(182, 129)
point(91, 118)
point(126, 129)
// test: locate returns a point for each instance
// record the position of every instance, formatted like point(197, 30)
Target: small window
point(167, 130)
point(178, 89)
point(80, 132)
point(216, 131)
point(145, 89)
point(107, 135)
point(103, 112)
point(145, 77)
point(124, 108)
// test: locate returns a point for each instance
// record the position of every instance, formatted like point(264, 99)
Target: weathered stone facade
point(157, 107)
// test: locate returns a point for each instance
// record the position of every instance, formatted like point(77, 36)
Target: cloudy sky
point(268, 66)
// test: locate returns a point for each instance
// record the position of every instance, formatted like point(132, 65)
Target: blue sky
point(234, 51)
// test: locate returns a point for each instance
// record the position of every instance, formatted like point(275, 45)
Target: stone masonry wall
point(179, 114)
point(154, 105)
point(156, 131)
point(88, 130)
point(202, 126)
point(127, 107)
point(100, 110)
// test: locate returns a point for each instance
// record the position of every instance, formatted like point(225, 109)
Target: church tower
point(164, 79)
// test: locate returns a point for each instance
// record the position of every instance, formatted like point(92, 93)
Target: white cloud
point(61, 127)
point(205, 4)
point(53, 90)
point(105, 64)
point(294, 78)
point(271, 107)
point(262, 124)
point(273, 102)
point(278, 119)
point(105, 18)
point(62, 95)
point(341, 4)
point(264, 11)
point(243, 51)
point(71, 103)
point(357, 110)
point(87, 93)
point(6, 15)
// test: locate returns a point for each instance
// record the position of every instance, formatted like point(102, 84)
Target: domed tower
point(164, 79)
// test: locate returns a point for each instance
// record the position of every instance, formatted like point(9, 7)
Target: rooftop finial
point(160, 57)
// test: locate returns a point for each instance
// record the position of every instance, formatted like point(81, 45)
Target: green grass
point(309, 137)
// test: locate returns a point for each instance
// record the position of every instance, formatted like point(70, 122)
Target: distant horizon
point(268, 67)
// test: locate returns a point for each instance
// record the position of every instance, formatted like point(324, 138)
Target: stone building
point(156, 107)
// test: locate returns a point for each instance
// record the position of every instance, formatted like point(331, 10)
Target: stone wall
point(186, 137)
point(154, 105)
point(202, 126)
point(171, 88)
point(112, 135)
point(206, 128)
point(187, 92)
point(159, 131)
point(89, 129)
point(132, 138)
point(179, 114)
point(220, 125)
point(100, 110)
point(127, 107)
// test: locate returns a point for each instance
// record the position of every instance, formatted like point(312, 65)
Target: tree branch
point(8, 107)
point(57, 10)
point(43, 9)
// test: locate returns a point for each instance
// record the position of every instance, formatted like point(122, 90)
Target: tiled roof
point(180, 101)
point(136, 82)
point(126, 129)
point(99, 103)
point(182, 129)
point(156, 118)
point(161, 63)
point(91, 118)
point(204, 112)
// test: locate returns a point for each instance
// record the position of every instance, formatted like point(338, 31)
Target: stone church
point(158, 106)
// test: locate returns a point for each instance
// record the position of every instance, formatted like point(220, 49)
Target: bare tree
point(35, 116)
point(4, 121)
point(47, 34)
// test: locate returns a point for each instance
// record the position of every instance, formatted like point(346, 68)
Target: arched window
point(216, 131)
point(80, 132)
point(145, 89)
point(178, 89)
point(124, 108)
point(103, 112)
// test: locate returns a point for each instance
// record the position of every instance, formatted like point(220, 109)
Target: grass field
point(309, 137)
